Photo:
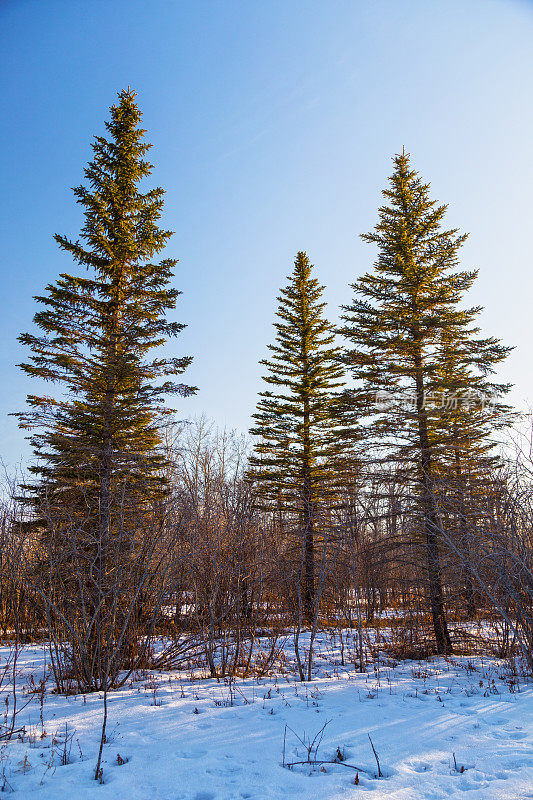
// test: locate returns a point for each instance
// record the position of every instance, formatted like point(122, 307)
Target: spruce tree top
point(297, 423)
point(407, 332)
point(98, 330)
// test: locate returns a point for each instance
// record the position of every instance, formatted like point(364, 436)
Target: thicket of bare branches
point(197, 579)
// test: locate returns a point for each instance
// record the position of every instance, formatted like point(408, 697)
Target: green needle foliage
point(412, 350)
point(470, 412)
point(102, 431)
point(300, 456)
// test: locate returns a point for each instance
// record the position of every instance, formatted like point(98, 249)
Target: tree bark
point(431, 521)
point(308, 578)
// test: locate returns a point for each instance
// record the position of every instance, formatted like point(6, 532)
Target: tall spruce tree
point(98, 440)
point(300, 459)
point(411, 349)
point(99, 330)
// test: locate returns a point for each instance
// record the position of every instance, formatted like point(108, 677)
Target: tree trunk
point(309, 569)
point(308, 578)
point(104, 500)
point(431, 522)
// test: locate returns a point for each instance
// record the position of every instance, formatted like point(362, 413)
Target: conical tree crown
point(98, 329)
point(406, 313)
point(297, 422)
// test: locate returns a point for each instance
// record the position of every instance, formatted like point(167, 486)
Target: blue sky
point(273, 125)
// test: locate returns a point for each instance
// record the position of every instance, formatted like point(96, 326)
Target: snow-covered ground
point(444, 729)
